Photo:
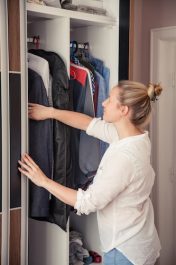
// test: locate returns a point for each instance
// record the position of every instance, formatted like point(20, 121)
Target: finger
point(30, 111)
point(22, 158)
point(27, 162)
point(30, 115)
point(32, 104)
point(31, 160)
point(24, 166)
point(24, 172)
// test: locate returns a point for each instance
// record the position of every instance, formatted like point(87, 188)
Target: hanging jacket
point(62, 171)
point(40, 147)
point(40, 66)
point(102, 95)
point(78, 84)
point(87, 150)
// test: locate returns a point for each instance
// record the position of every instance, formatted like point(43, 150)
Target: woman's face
point(113, 109)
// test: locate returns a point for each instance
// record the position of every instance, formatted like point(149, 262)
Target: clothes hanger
point(73, 48)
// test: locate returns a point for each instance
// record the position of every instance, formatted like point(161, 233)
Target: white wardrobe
point(48, 244)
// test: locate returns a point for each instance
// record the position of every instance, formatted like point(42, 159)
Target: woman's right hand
point(39, 112)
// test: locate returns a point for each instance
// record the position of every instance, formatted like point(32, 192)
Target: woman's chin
point(105, 118)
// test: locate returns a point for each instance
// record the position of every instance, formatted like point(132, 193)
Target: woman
point(121, 188)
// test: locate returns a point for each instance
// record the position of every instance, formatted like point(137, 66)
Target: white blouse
point(120, 195)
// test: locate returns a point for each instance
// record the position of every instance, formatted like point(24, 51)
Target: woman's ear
point(124, 110)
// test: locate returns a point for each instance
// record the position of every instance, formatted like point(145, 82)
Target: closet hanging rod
point(80, 45)
point(33, 39)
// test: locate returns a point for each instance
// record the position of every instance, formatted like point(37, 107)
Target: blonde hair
point(138, 98)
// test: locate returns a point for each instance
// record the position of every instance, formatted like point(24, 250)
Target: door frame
point(156, 36)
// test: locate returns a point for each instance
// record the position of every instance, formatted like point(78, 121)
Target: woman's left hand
point(31, 170)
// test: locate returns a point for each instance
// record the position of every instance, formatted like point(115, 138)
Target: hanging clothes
point(102, 74)
point(40, 66)
point(79, 60)
point(102, 70)
point(88, 157)
point(40, 147)
point(62, 168)
point(99, 85)
point(102, 95)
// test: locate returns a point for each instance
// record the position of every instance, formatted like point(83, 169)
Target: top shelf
point(79, 18)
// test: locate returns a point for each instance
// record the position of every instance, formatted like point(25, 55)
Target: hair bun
point(154, 90)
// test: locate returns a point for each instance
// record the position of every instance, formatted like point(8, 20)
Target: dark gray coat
point(62, 171)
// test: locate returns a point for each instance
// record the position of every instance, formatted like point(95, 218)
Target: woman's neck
point(126, 129)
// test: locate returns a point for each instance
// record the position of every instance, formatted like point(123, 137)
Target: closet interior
point(56, 28)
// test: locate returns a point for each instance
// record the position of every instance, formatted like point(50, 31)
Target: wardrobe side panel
point(15, 130)
point(48, 243)
point(14, 35)
point(5, 217)
point(15, 178)
point(103, 45)
point(0, 170)
point(24, 132)
point(15, 139)
point(0, 144)
point(0, 235)
point(0, 163)
point(15, 226)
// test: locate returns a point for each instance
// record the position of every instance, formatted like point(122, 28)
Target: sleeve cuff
point(77, 205)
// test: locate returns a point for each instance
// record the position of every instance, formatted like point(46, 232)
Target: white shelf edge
point(53, 12)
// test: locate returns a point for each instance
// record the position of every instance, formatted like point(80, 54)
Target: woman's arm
point(71, 118)
point(111, 180)
point(30, 169)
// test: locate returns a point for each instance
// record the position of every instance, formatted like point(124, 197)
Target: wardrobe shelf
point(36, 11)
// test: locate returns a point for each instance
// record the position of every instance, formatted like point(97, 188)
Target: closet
point(24, 240)
point(48, 243)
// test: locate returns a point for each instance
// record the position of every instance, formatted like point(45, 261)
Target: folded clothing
point(92, 10)
point(77, 253)
point(54, 3)
point(67, 4)
point(95, 257)
point(88, 260)
point(39, 2)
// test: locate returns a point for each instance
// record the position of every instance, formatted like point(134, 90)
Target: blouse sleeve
point(102, 130)
point(109, 182)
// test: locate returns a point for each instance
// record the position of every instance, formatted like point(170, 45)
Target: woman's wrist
point(45, 182)
point(51, 113)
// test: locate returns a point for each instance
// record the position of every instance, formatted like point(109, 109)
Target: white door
point(163, 136)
